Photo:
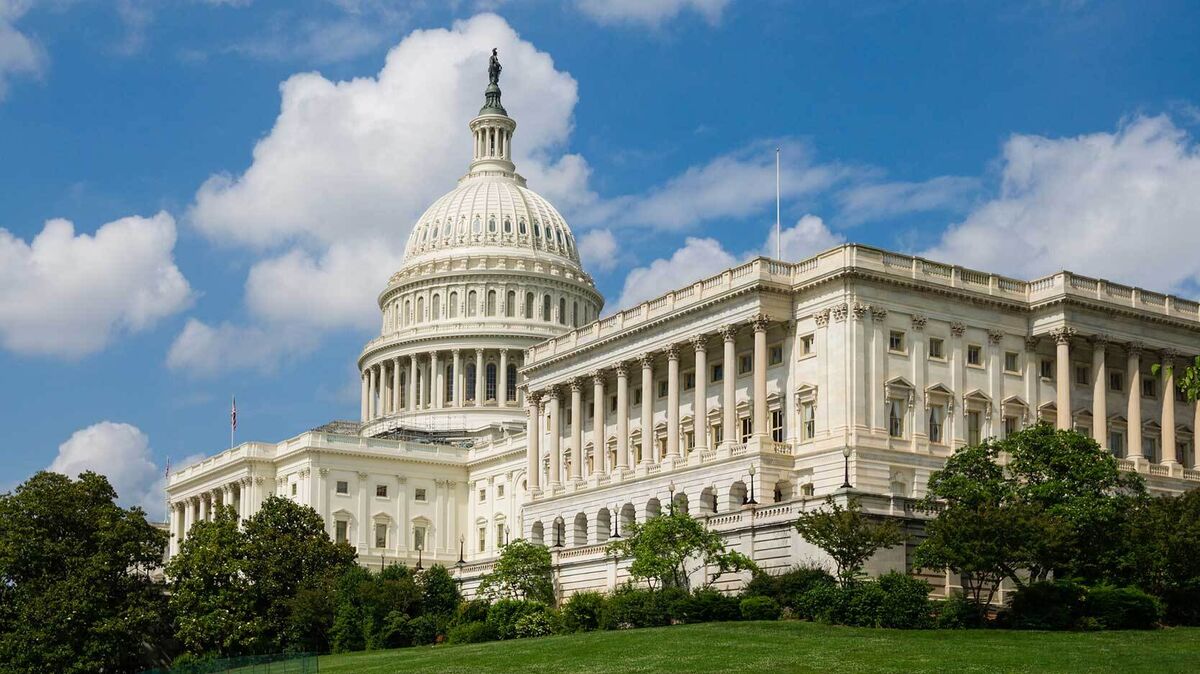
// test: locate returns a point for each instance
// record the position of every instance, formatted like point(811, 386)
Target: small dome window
point(477, 226)
point(521, 226)
point(507, 226)
point(437, 229)
point(492, 225)
point(537, 229)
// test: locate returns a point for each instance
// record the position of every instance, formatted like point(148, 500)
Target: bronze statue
point(494, 69)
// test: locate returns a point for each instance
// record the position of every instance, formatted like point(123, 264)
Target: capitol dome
point(490, 269)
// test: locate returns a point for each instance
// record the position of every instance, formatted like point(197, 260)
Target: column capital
point(859, 310)
point(672, 352)
point(878, 313)
point(647, 360)
point(958, 328)
point(728, 332)
point(994, 336)
point(840, 312)
point(576, 384)
point(1101, 341)
point(821, 318)
point(699, 342)
point(456, 352)
point(1169, 356)
point(1062, 335)
point(597, 376)
point(552, 393)
point(324, 472)
point(622, 369)
point(363, 476)
point(918, 322)
point(1032, 341)
point(760, 322)
point(1134, 348)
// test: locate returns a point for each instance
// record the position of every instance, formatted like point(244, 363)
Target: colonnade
point(243, 494)
point(435, 380)
point(549, 400)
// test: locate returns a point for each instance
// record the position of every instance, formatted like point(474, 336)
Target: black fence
point(278, 663)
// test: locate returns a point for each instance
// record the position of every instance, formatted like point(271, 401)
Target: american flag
point(233, 415)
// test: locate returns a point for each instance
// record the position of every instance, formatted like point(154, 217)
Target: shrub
point(1052, 605)
point(759, 608)
point(788, 587)
point(396, 632)
point(474, 611)
point(1122, 608)
point(955, 613)
point(424, 630)
point(1183, 604)
point(906, 602)
point(582, 612)
point(536, 624)
point(706, 605)
point(863, 604)
point(825, 603)
point(629, 607)
point(504, 614)
point(470, 633)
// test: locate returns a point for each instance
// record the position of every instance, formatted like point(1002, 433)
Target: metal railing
point(275, 663)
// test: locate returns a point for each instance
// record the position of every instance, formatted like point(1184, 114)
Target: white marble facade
point(496, 404)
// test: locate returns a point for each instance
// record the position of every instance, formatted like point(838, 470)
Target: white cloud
point(701, 257)
point(598, 249)
point(121, 453)
point(69, 295)
point(879, 201)
point(650, 13)
point(202, 350)
point(1122, 205)
point(19, 54)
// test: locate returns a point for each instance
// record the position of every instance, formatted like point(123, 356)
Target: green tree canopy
point(75, 588)
point(848, 535)
point(522, 571)
point(667, 549)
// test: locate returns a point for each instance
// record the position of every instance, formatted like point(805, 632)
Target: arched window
point(575, 314)
point(407, 312)
point(477, 227)
point(511, 384)
point(437, 229)
point(470, 381)
point(449, 382)
point(491, 382)
point(537, 229)
point(546, 308)
point(454, 305)
point(491, 303)
point(471, 303)
point(507, 226)
point(562, 310)
point(510, 302)
point(529, 306)
point(435, 308)
point(521, 227)
point(420, 309)
point(492, 225)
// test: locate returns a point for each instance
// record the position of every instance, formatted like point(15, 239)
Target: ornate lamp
point(751, 501)
point(846, 458)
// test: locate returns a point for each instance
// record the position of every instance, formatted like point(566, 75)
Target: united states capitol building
point(498, 403)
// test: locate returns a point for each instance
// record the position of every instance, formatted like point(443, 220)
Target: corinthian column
point(730, 433)
point(480, 386)
point(371, 409)
point(673, 403)
point(412, 383)
point(554, 447)
point(576, 429)
point(533, 432)
point(1133, 370)
point(700, 403)
point(435, 380)
point(397, 400)
point(1100, 391)
point(760, 323)
point(599, 446)
point(1168, 408)
point(623, 416)
point(366, 390)
point(502, 380)
point(1062, 340)
point(457, 384)
point(649, 452)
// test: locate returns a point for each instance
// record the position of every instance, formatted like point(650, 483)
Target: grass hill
point(790, 646)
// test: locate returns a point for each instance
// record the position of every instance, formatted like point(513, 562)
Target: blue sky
point(240, 176)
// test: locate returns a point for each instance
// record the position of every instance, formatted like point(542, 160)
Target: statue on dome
point(494, 68)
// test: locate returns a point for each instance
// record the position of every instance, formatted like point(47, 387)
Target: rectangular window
point(380, 535)
point(419, 494)
point(1116, 442)
point(689, 381)
point(1149, 387)
point(937, 347)
point(689, 440)
point(500, 534)
point(482, 539)
point(1150, 448)
point(777, 425)
point(807, 345)
point(612, 404)
point(716, 434)
point(343, 487)
point(342, 531)
point(896, 417)
point(896, 341)
point(937, 417)
point(745, 364)
point(974, 354)
point(1083, 375)
point(974, 423)
point(1047, 369)
point(808, 413)
point(775, 356)
point(499, 491)
point(637, 396)
point(662, 389)
point(747, 429)
point(293, 489)
point(1011, 425)
point(1116, 381)
point(381, 490)
point(482, 495)
point(419, 538)
point(718, 372)
point(1012, 362)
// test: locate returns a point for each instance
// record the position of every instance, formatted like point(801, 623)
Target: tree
point(523, 571)
point(667, 549)
point(1187, 380)
point(1161, 557)
point(847, 535)
point(75, 588)
point(439, 591)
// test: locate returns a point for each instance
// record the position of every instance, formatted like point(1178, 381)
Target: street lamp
point(714, 495)
point(462, 542)
point(616, 522)
point(846, 457)
point(420, 549)
point(558, 534)
point(671, 502)
point(751, 501)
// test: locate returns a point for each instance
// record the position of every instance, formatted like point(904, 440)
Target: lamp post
point(420, 549)
point(714, 493)
point(671, 502)
point(751, 501)
point(462, 542)
point(616, 522)
point(558, 534)
point(846, 459)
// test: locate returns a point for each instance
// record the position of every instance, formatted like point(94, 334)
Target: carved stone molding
point(1135, 348)
point(622, 369)
point(860, 311)
point(699, 343)
point(760, 322)
point(918, 322)
point(957, 329)
point(840, 311)
point(995, 336)
point(728, 332)
point(878, 313)
point(1062, 335)
point(821, 318)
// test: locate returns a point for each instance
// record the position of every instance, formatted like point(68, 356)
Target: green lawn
point(789, 646)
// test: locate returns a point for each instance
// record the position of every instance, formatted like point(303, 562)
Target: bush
point(474, 611)
point(470, 633)
point(536, 624)
point(1183, 604)
point(863, 604)
point(1122, 608)
point(760, 608)
point(789, 587)
point(825, 603)
point(504, 615)
point(396, 632)
point(629, 607)
point(1052, 605)
point(955, 613)
point(705, 605)
point(426, 629)
point(582, 612)
point(906, 602)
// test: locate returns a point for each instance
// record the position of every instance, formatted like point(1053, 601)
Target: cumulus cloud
point(701, 257)
point(68, 294)
point(1122, 205)
point(650, 13)
point(598, 249)
point(121, 453)
point(878, 201)
point(203, 350)
point(19, 53)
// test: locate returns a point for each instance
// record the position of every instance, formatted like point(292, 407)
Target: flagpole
point(232, 418)
point(778, 242)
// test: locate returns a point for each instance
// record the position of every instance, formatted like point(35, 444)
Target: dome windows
point(492, 225)
point(521, 226)
point(507, 226)
point(477, 226)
